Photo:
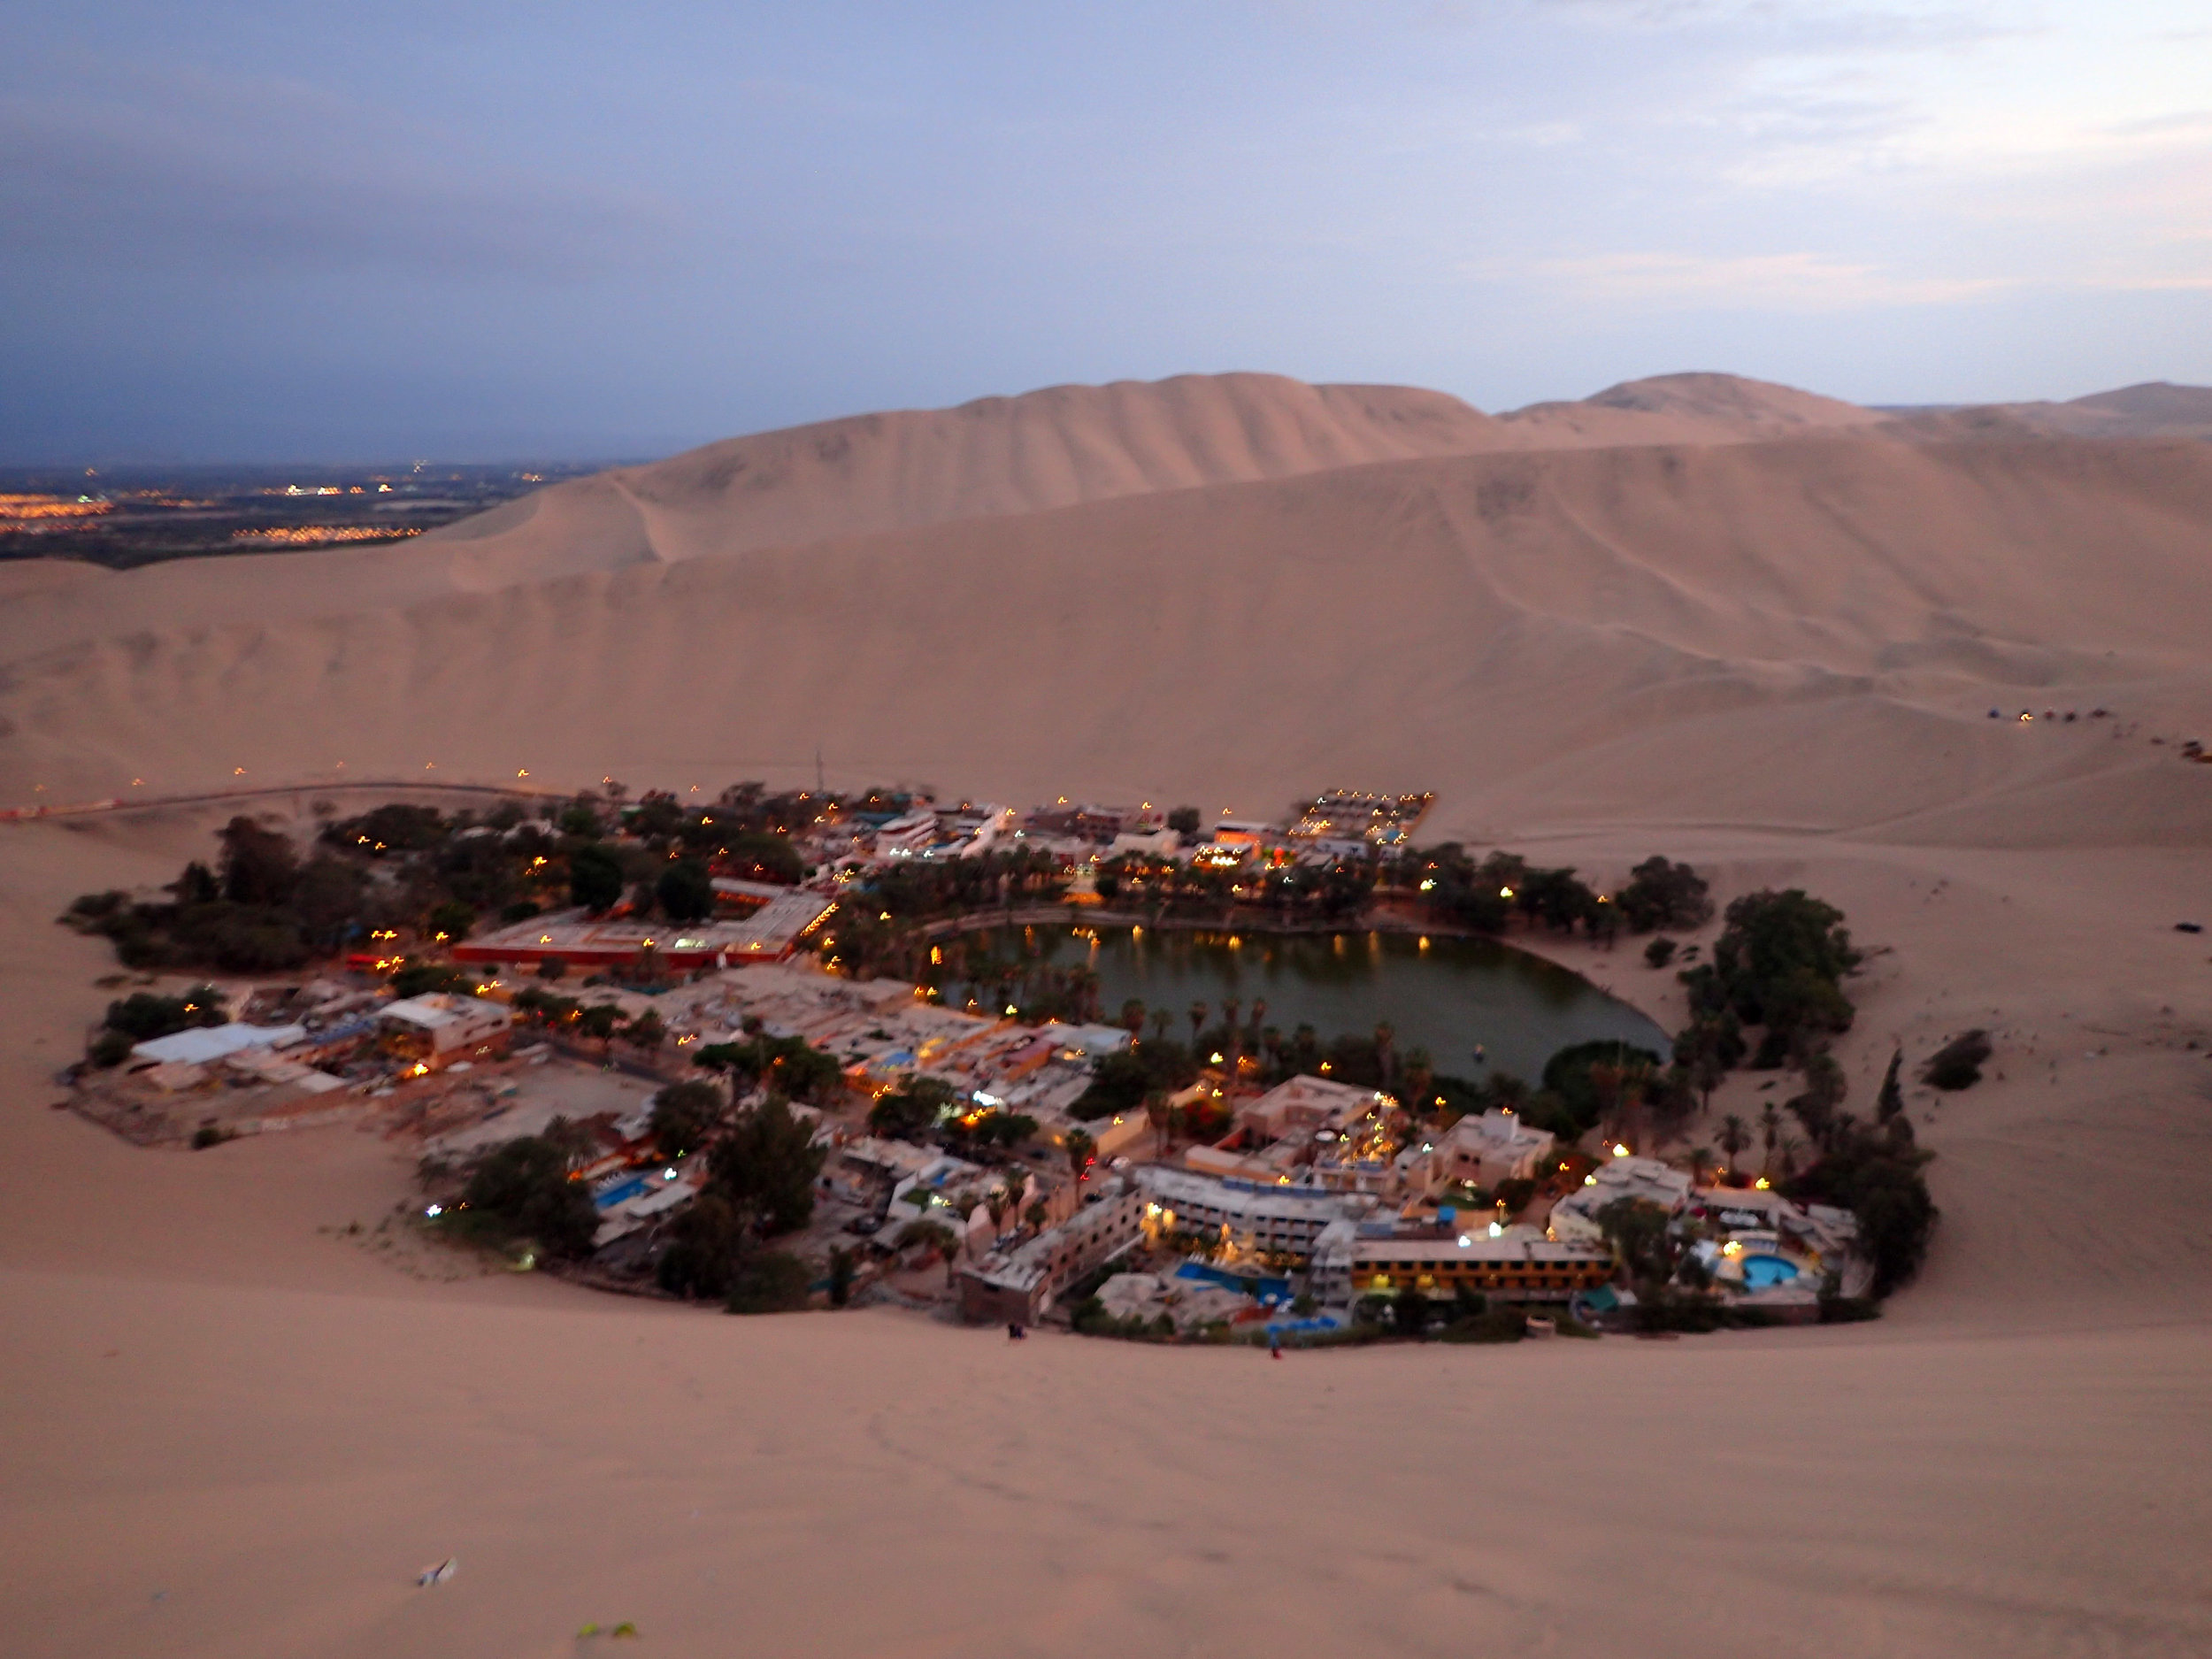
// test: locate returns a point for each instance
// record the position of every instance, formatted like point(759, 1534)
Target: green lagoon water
point(1448, 997)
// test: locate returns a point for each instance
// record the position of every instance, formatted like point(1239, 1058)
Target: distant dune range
point(1733, 623)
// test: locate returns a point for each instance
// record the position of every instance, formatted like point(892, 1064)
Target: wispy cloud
point(1787, 282)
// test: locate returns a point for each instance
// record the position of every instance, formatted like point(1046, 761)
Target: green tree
point(844, 1264)
point(594, 877)
point(258, 865)
point(686, 1116)
point(1080, 1150)
point(1734, 1137)
point(705, 1241)
point(910, 1112)
point(1637, 1231)
point(522, 1190)
point(1664, 894)
point(599, 1022)
point(1878, 1179)
point(765, 1164)
point(1184, 820)
point(686, 891)
point(1891, 1102)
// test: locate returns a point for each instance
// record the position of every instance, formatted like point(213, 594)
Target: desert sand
point(1743, 627)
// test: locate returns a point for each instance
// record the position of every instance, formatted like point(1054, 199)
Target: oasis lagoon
point(1452, 997)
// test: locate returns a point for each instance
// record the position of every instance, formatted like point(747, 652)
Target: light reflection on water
point(1447, 996)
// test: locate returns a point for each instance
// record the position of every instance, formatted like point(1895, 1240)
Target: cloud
point(1785, 282)
point(187, 168)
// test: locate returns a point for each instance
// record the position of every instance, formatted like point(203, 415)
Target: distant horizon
point(640, 454)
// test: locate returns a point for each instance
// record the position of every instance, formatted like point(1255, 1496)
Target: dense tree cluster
point(1662, 894)
point(762, 1163)
point(1779, 963)
point(523, 1192)
point(785, 1065)
point(403, 871)
point(144, 1016)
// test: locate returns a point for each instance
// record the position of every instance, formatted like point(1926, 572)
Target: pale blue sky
point(244, 229)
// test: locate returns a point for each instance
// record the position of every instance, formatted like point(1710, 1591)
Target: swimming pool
point(1250, 1284)
point(616, 1194)
point(1763, 1273)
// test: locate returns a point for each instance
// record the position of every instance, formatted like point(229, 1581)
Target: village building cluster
point(1319, 1196)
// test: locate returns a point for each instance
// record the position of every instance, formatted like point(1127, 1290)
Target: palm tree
point(1259, 1016)
point(1791, 1147)
point(1133, 1017)
point(1700, 1156)
point(1733, 1136)
point(1198, 1012)
point(1156, 1111)
point(1419, 1073)
point(1230, 1009)
point(1386, 1057)
point(1770, 1128)
point(1161, 1020)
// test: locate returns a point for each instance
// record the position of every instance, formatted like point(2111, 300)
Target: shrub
point(1958, 1064)
point(452, 918)
point(772, 1281)
point(144, 1016)
point(416, 977)
point(1659, 952)
point(1502, 1322)
point(208, 1135)
point(109, 1049)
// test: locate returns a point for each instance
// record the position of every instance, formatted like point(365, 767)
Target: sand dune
point(1578, 634)
point(1739, 624)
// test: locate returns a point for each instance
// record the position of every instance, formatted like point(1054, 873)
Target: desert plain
point(1743, 626)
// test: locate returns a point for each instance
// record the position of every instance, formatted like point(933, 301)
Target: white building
point(1019, 1284)
point(1279, 1220)
point(440, 1026)
point(202, 1045)
point(1576, 1215)
point(1497, 1146)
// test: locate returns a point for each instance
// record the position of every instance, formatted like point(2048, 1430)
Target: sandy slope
point(1570, 635)
point(1773, 657)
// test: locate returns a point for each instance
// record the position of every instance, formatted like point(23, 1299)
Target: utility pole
point(818, 789)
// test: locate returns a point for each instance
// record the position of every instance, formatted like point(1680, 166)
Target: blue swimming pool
point(621, 1190)
point(1250, 1284)
point(1763, 1273)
